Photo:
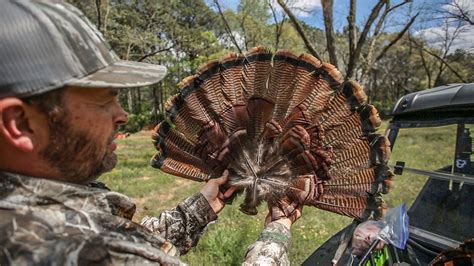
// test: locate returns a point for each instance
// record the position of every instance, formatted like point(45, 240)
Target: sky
point(429, 25)
point(436, 32)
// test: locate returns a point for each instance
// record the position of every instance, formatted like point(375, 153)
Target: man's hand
point(284, 213)
point(213, 195)
point(364, 235)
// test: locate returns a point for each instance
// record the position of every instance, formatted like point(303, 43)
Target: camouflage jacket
point(45, 222)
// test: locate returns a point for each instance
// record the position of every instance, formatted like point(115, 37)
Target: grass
point(421, 148)
point(225, 242)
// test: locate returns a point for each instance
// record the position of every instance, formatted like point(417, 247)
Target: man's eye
point(104, 104)
point(108, 103)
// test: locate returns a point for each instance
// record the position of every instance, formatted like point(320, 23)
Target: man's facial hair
point(75, 154)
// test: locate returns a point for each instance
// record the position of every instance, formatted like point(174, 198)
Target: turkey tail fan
point(285, 126)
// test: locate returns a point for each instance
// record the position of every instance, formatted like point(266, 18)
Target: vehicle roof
point(453, 102)
point(442, 96)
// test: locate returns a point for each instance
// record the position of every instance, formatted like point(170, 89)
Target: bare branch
point(368, 59)
point(328, 20)
point(387, 10)
point(154, 53)
point(397, 6)
point(447, 42)
point(454, 35)
point(97, 6)
point(106, 18)
point(373, 15)
point(397, 38)
point(425, 66)
point(278, 26)
point(299, 29)
point(227, 27)
point(244, 31)
point(351, 23)
point(440, 59)
point(459, 13)
point(363, 36)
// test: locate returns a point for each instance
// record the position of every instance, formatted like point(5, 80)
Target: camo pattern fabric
point(45, 222)
point(271, 247)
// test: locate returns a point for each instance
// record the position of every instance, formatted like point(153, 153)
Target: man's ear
point(15, 124)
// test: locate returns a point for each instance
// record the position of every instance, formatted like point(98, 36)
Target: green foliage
point(135, 123)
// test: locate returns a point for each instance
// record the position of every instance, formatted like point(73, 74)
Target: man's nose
point(121, 117)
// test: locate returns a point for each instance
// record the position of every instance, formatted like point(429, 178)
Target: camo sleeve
point(271, 248)
point(183, 225)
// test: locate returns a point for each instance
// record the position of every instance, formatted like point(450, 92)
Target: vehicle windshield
point(442, 206)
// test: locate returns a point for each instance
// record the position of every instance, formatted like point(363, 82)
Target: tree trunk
point(156, 105)
point(328, 24)
point(161, 102)
point(138, 99)
point(354, 57)
point(130, 101)
point(351, 25)
point(299, 29)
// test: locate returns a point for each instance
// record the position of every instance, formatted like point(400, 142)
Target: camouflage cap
point(46, 45)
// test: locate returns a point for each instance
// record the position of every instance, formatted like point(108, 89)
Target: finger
point(300, 207)
point(223, 179)
point(220, 195)
point(357, 252)
point(372, 237)
point(298, 212)
point(380, 245)
point(225, 173)
point(268, 218)
point(229, 191)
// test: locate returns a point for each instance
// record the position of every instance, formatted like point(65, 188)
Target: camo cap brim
point(122, 74)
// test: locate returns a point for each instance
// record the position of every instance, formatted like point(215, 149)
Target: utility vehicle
point(438, 124)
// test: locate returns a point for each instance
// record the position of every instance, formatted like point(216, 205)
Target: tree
point(259, 23)
point(460, 10)
point(358, 41)
point(441, 40)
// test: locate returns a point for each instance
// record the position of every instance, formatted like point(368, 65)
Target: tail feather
point(316, 100)
point(260, 111)
point(357, 126)
point(360, 148)
point(235, 117)
point(353, 206)
point(307, 79)
point(369, 207)
point(345, 101)
point(191, 118)
point(281, 82)
point(255, 83)
point(214, 100)
point(351, 176)
point(173, 167)
point(174, 145)
point(230, 74)
point(252, 81)
point(188, 125)
point(377, 179)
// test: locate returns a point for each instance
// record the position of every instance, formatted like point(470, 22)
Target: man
point(59, 113)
